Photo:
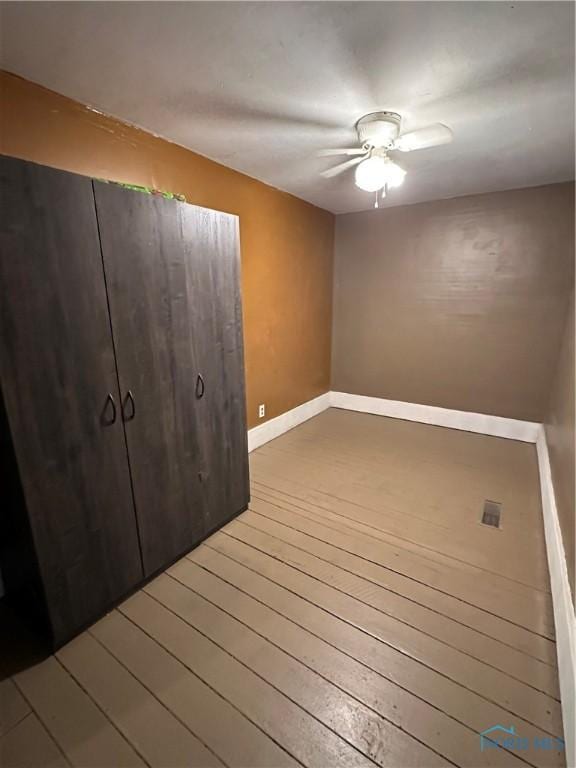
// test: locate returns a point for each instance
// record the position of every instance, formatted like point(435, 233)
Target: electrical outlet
point(261, 411)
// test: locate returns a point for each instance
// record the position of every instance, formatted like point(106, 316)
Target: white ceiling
point(262, 86)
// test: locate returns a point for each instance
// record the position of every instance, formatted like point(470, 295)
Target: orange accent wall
point(287, 244)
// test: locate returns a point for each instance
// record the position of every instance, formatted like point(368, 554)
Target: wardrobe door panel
point(59, 385)
point(146, 273)
point(213, 266)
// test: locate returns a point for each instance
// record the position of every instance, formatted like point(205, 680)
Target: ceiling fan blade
point(349, 151)
point(430, 136)
point(337, 169)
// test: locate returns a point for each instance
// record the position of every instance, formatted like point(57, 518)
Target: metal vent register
point(491, 514)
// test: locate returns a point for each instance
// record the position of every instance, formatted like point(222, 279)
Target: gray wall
point(456, 303)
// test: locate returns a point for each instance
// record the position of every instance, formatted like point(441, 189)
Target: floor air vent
point(491, 514)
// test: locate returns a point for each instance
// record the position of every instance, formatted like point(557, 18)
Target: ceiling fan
point(378, 134)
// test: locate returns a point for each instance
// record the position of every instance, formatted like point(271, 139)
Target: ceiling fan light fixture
point(378, 134)
point(376, 172)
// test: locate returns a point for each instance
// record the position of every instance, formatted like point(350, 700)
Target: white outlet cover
point(261, 411)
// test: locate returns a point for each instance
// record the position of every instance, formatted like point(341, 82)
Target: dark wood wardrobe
point(123, 425)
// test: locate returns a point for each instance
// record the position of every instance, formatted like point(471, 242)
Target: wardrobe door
point(211, 242)
point(150, 302)
point(59, 385)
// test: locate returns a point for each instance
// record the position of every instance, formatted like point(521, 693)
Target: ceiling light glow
point(377, 172)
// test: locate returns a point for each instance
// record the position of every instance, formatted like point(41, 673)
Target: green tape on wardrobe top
point(147, 190)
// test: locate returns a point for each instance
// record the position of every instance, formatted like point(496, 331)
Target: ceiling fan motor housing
point(378, 129)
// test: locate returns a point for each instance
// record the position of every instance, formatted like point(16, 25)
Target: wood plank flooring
point(357, 614)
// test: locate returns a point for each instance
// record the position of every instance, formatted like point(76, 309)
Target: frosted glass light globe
point(394, 174)
point(375, 172)
point(370, 174)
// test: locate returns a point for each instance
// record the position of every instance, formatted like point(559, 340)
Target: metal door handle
point(109, 401)
point(200, 387)
point(129, 400)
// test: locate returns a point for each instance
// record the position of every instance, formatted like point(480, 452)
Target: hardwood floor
point(357, 614)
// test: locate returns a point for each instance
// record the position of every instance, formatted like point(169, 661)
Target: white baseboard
point(263, 433)
point(497, 426)
point(564, 619)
